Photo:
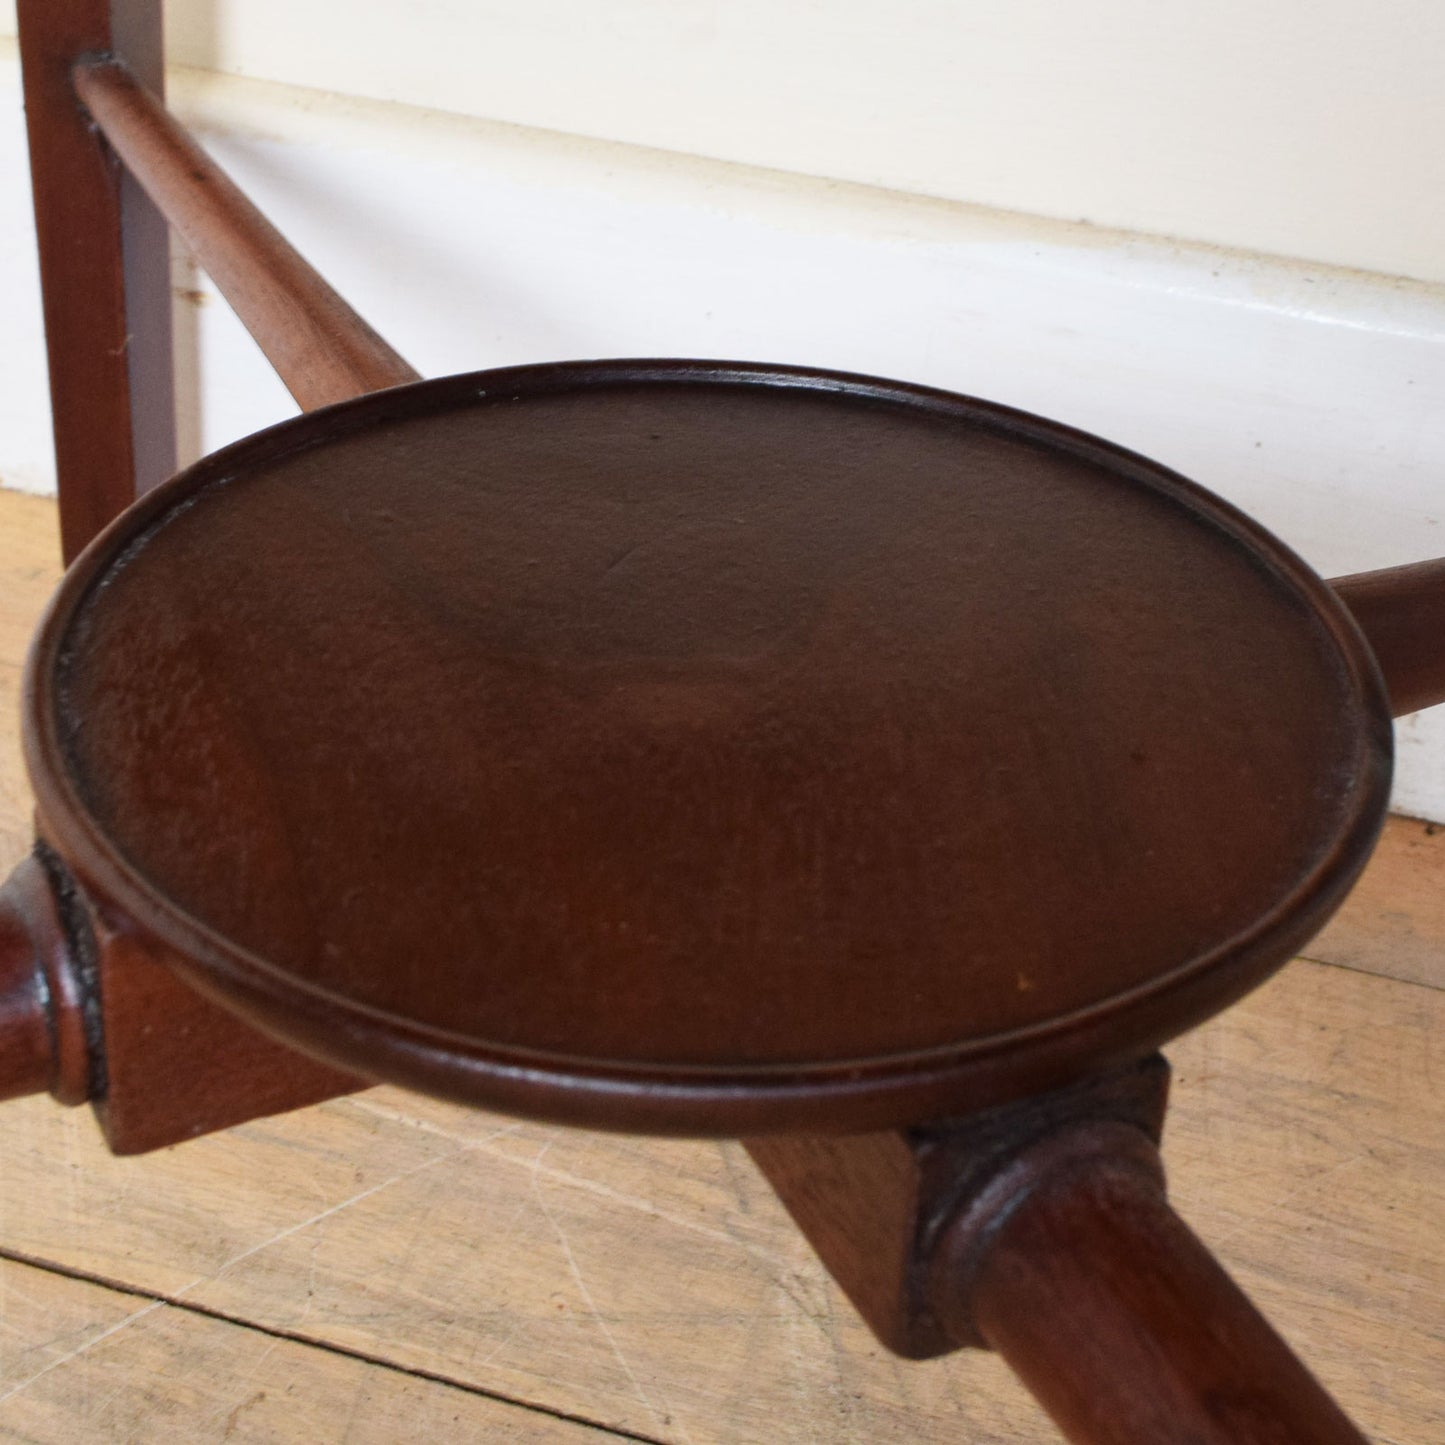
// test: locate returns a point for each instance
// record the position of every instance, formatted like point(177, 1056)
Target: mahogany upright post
point(104, 265)
point(1032, 1218)
point(80, 1004)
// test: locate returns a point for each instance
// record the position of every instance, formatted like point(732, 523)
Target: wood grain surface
point(78, 1360)
point(1394, 922)
point(385, 1267)
point(104, 260)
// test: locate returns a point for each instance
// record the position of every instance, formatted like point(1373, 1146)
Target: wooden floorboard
point(372, 1253)
point(79, 1361)
point(1394, 921)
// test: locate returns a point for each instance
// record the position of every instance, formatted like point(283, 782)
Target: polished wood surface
point(845, 598)
point(760, 1346)
point(26, 1049)
point(150, 1086)
point(320, 347)
point(1298, 1147)
point(754, 753)
point(1041, 1229)
point(105, 268)
point(880, 1207)
point(1304, 1145)
point(1124, 1326)
point(43, 1043)
point(1401, 611)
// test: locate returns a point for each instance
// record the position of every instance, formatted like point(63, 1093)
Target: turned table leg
point(1041, 1230)
point(1115, 1315)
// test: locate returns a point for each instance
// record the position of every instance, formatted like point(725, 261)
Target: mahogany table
point(875, 774)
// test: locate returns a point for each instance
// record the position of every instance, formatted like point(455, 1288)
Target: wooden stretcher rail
point(325, 352)
point(1038, 1227)
point(320, 347)
point(1401, 611)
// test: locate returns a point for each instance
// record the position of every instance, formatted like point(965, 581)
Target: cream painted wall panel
point(1315, 399)
point(1309, 128)
point(1312, 128)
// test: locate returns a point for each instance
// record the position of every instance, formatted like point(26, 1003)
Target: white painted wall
point(1313, 397)
point(1306, 128)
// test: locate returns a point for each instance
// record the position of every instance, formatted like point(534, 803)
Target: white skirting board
point(1313, 398)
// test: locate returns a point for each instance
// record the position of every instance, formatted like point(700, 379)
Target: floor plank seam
point(435, 1377)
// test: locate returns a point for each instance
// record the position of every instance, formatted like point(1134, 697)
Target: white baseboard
point(1313, 398)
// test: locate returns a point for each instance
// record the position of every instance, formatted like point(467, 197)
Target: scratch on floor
point(662, 1417)
point(630, 1201)
point(248, 1396)
point(393, 1115)
point(90, 1344)
point(356, 1198)
point(495, 1351)
point(841, 1365)
point(1253, 1223)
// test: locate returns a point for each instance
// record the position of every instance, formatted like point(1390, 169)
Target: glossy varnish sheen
point(688, 747)
point(749, 726)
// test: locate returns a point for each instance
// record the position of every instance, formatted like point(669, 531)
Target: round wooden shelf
point(705, 748)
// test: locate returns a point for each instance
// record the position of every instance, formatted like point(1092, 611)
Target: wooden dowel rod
point(320, 347)
point(1401, 611)
point(1121, 1323)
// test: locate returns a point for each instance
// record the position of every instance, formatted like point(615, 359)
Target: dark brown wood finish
point(1041, 1229)
point(105, 269)
point(693, 748)
point(1401, 611)
point(25, 1047)
point(44, 1042)
point(106, 282)
point(756, 754)
point(177, 1064)
point(1116, 1317)
point(877, 1206)
point(89, 1017)
point(320, 347)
